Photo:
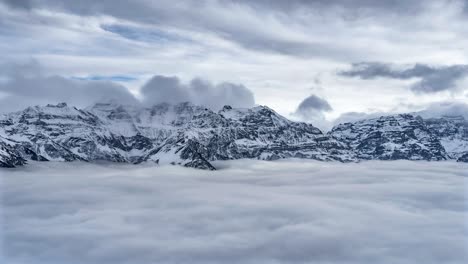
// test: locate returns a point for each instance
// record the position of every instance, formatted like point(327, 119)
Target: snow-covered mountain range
point(193, 136)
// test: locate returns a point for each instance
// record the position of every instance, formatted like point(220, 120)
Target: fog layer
point(248, 212)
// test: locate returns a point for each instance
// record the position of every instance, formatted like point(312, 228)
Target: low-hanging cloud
point(432, 78)
point(447, 108)
point(201, 92)
point(350, 117)
point(314, 103)
point(24, 92)
point(258, 212)
point(25, 84)
point(312, 109)
point(432, 110)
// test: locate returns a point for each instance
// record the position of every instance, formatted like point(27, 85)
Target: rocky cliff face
point(9, 156)
point(392, 137)
point(193, 136)
point(453, 134)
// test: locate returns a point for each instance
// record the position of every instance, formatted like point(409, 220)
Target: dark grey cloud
point(201, 92)
point(121, 7)
point(358, 6)
point(432, 78)
point(312, 109)
point(22, 4)
point(249, 212)
point(314, 103)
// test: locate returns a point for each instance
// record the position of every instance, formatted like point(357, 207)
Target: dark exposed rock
point(463, 158)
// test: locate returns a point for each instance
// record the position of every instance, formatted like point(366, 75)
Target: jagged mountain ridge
point(193, 136)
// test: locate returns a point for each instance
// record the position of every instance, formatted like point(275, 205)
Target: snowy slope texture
point(453, 134)
point(402, 136)
point(9, 157)
point(193, 136)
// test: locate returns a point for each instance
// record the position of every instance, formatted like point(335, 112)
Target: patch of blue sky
point(114, 78)
point(143, 34)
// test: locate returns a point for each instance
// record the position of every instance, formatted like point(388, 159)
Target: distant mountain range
point(194, 136)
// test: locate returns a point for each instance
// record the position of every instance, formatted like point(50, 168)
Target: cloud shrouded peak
point(161, 89)
point(26, 84)
point(433, 110)
point(448, 108)
point(432, 79)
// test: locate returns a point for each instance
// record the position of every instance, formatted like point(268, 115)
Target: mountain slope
point(193, 136)
point(393, 137)
point(9, 157)
point(453, 134)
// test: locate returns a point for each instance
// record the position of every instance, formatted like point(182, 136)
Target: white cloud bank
point(23, 85)
point(249, 212)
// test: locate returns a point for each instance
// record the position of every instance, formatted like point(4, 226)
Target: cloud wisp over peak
point(160, 89)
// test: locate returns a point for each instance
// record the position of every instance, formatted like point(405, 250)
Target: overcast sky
point(305, 59)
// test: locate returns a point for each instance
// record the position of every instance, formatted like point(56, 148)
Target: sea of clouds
point(291, 211)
